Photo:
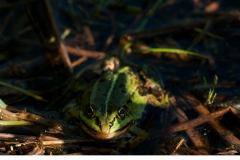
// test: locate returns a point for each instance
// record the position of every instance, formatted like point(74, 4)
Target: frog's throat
point(105, 136)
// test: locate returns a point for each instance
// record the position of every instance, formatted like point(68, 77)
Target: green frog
point(113, 98)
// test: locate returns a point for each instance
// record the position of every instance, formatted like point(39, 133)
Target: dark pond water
point(29, 61)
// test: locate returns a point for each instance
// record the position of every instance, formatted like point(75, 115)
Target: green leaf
point(23, 91)
point(2, 104)
point(215, 80)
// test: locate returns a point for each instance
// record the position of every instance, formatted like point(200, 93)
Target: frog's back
point(113, 89)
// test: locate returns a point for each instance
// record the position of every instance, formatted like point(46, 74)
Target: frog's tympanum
point(114, 99)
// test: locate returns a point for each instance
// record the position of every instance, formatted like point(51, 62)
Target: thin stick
point(180, 27)
point(227, 14)
point(17, 137)
point(89, 35)
point(82, 140)
point(86, 53)
point(235, 113)
point(190, 151)
point(78, 61)
point(197, 121)
point(191, 123)
point(46, 140)
point(60, 46)
point(47, 122)
point(178, 145)
point(193, 134)
point(7, 115)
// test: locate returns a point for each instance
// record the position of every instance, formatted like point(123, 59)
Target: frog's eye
point(122, 113)
point(90, 112)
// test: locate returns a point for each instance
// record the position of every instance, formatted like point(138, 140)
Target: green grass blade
point(214, 97)
point(151, 12)
point(215, 80)
point(173, 50)
point(15, 123)
point(23, 91)
point(208, 33)
point(205, 82)
point(126, 46)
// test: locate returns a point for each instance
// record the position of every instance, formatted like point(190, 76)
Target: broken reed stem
point(7, 115)
point(56, 142)
point(180, 27)
point(178, 145)
point(190, 151)
point(78, 61)
point(46, 140)
point(37, 150)
point(221, 13)
point(17, 137)
point(193, 134)
point(88, 34)
point(46, 122)
point(235, 113)
point(58, 41)
point(85, 53)
point(222, 131)
point(94, 151)
point(197, 121)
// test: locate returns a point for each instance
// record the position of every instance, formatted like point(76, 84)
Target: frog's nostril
point(98, 121)
point(110, 124)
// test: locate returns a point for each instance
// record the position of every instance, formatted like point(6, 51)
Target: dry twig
point(193, 135)
point(197, 121)
point(60, 46)
point(222, 131)
point(85, 53)
point(7, 115)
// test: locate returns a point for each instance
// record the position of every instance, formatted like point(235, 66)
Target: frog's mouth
point(105, 136)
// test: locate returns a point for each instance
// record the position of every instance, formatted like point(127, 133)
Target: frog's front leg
point(70, 111)
point(138, 136)
point(141, 136)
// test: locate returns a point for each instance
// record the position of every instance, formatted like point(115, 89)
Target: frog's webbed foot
point(141, 136)
point(152, 78)
point(162, 103)
point(156, 95)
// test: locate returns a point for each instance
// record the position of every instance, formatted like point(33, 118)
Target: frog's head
point(106, 115)
point(106, 125)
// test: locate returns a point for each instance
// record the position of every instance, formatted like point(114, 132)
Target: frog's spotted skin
point(113, 103)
